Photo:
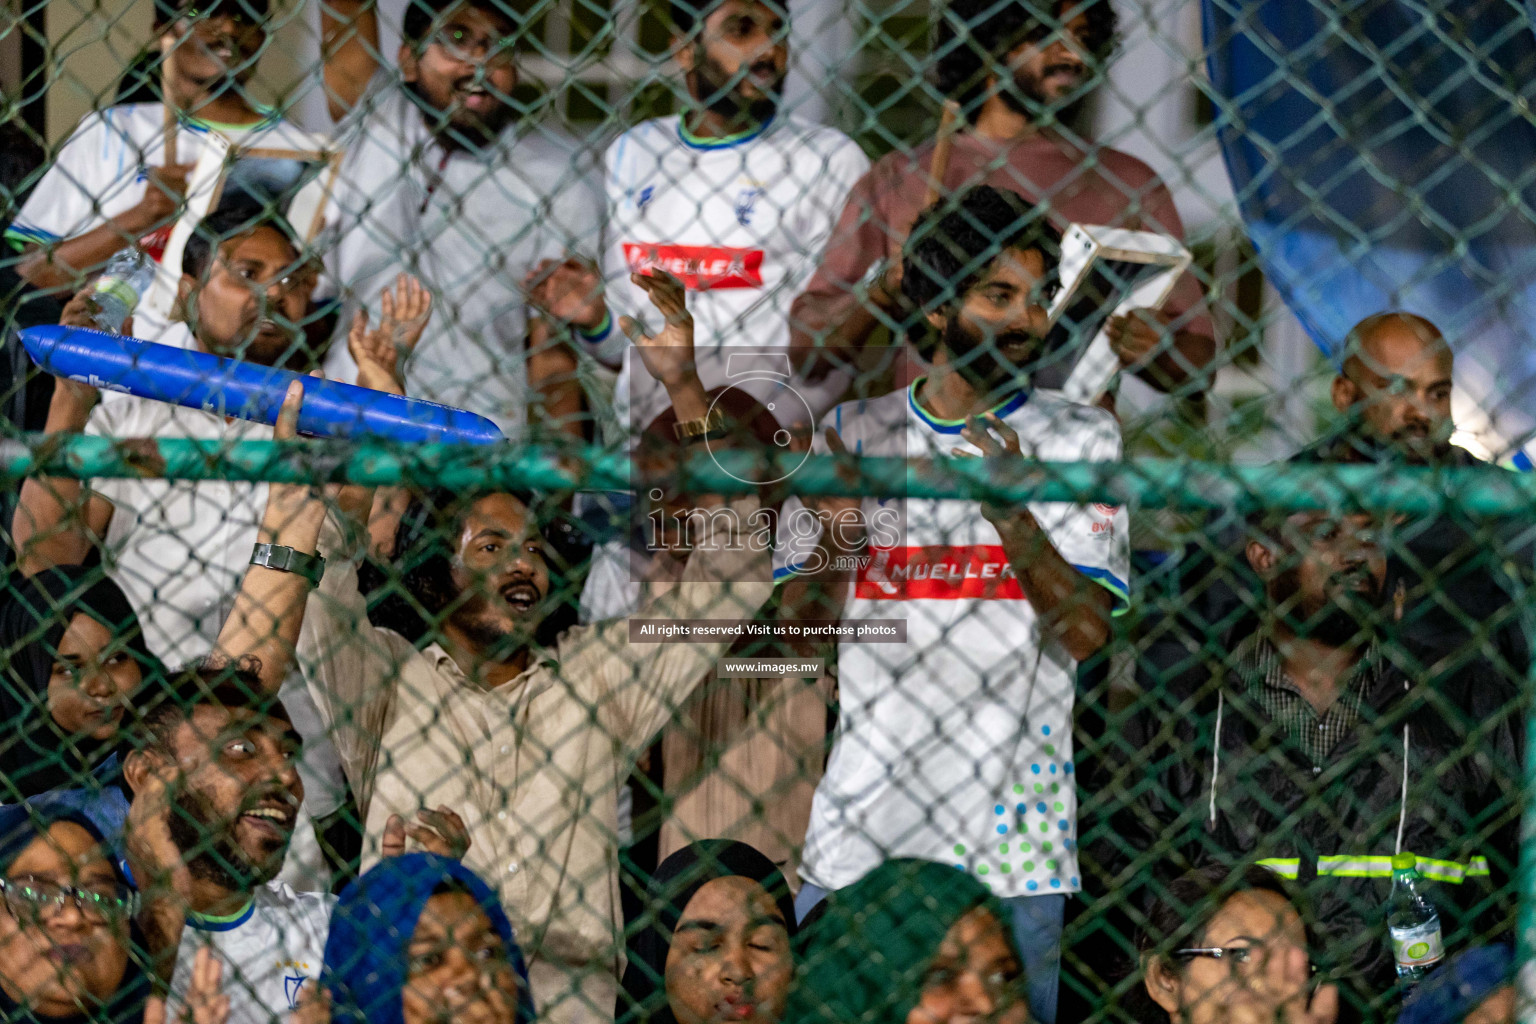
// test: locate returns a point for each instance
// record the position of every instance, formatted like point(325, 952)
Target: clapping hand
point(568, 290)
point(1001, 447)
point(667, 354)
point(206, 1001)
point(381, 353)
point(441, 832)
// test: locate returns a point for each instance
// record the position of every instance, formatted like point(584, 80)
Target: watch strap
point(286, 559)
point(690, 430)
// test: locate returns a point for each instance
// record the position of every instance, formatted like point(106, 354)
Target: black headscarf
point(677, 880)
point(36, 754)
point(20, 824)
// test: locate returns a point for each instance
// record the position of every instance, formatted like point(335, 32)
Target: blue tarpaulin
point(1384, 157)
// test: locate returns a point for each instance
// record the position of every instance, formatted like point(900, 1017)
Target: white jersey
point(102, 172)
point(268, 951)
point(957, 745)
point(743, 223)
point(471, 226)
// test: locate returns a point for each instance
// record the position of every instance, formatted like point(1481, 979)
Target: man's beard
point(209, 844)
point(488, 631)
point(979, 357)
point(463, 128)
point(1404, 446)
point(1328, 621)
point(1026, 97)
point(713, 86)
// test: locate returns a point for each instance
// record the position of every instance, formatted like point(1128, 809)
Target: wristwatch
point(704, 426)
point(286, 559)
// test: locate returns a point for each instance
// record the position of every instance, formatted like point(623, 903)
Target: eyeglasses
point(30, 899)
point(1237, 954)
point(463, 45)
point(1237, 958)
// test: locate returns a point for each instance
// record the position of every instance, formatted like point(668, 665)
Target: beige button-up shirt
point(533, 766)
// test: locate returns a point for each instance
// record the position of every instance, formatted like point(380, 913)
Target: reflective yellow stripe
point(1450, 871)
point(1285, 867)
point(1369, 866)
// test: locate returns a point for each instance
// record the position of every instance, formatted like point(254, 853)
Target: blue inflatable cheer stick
point(246, 391)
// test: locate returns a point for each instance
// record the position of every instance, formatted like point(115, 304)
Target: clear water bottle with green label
point(123, 281)
point(1412, 921)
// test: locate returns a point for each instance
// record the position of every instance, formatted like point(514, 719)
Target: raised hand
point(836, 506)
point(1135, 336)
point(165, 189)
point(381, 353)
point(667, 354)
point(569, 291)
point(295, 512)
point(1003, 447)
point(441, 832)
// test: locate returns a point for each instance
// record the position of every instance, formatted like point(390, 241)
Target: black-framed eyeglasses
point(31, 898)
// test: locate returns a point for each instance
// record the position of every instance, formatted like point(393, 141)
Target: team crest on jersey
point(291, 985)
point(1107, 511)
point(745, 202)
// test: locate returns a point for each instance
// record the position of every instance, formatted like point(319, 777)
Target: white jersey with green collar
point(741, 220)
point(269, 950)
point(956, 746)
point(102, 171)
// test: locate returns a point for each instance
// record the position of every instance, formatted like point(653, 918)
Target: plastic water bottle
point(1413, 922)
point(123, 281)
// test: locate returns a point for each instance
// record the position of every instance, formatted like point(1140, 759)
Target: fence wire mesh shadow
point(718, 510)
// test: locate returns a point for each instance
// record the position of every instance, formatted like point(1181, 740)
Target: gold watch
point(691, 430)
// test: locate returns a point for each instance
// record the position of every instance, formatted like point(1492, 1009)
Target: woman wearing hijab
point(912, 942)
point(69, 951)
point(74, 657)
point(714, 942)
point(418, 939)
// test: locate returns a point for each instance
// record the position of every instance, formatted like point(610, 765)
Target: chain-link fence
point(877, 512)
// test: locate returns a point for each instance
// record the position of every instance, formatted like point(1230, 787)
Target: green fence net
point(895, 548)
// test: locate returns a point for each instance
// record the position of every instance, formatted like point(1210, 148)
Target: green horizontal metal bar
point(1481, 491)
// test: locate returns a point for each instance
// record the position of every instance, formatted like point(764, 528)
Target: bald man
point(1395, 388)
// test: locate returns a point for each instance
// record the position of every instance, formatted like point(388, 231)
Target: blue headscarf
point(366, 955)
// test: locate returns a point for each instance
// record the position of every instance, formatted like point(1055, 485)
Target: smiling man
point(440, 177)
point(112, 185)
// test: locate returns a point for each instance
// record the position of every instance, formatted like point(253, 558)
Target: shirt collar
point(541, 660)
point(1267, 669)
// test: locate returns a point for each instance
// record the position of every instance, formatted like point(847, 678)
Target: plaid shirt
point(1280, 698)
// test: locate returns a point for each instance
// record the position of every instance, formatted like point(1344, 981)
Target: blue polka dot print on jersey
point(1031, 885)
point(1045, 730)
point(1035, 768)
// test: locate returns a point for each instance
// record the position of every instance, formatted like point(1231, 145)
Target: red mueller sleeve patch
point(938, 573)
point(699, 267)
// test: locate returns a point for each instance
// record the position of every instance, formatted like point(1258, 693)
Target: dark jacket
point(1214, 780)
